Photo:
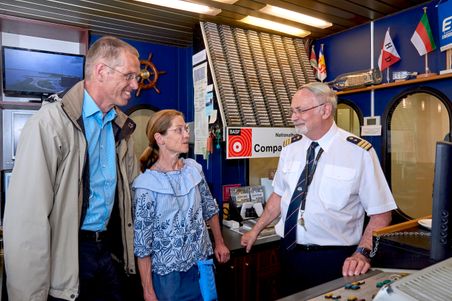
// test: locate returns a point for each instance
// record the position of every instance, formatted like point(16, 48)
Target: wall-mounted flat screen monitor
point(28, 72)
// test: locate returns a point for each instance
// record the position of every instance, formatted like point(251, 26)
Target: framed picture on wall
point(18, 121)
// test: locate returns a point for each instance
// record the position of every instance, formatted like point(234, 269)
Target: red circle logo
point(240, 145)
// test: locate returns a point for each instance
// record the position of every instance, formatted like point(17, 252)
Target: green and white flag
point(422, 38)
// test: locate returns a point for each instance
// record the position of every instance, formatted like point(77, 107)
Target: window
point(140, 115)
point(348, 117)
point(416, 121)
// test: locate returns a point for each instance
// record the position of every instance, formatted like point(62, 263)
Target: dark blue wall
point(352, 55)
point(351, 51)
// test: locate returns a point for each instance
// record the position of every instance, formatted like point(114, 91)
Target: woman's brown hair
point(160, 122)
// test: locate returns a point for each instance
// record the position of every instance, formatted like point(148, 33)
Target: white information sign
point(201, 122)
point(248, 142)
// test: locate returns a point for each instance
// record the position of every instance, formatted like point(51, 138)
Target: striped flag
point(313, 60)
point(422, 38)
point(321, 70)
point(388, 54)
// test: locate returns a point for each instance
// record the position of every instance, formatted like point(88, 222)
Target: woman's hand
point(150, 296)
point(222, 253)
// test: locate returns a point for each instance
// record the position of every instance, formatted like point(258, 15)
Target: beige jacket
point(42, 214)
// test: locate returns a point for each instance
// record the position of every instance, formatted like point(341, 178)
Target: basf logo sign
point(246, 142)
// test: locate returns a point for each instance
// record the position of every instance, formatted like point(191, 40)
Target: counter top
point(367, 289)
point(232, 241)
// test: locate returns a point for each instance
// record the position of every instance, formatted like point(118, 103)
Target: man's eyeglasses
point(299, 111)
point(127, 76)
point(180, 130)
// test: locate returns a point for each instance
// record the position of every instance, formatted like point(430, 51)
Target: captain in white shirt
point(347, 184)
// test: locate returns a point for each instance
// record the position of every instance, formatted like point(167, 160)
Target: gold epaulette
point(360, 142)
point(292, 139)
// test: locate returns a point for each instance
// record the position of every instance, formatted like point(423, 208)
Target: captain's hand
point(356, 264)
point(248, 239)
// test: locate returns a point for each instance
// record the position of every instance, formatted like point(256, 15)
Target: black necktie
point(299, 197)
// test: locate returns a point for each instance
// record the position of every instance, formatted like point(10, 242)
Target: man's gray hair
point(108, 49)
point(322, 93)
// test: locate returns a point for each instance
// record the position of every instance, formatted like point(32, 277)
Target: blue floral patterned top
point(170, 210)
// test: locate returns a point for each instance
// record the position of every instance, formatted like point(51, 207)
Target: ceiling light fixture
point(275, 26)
point(294, 16)
point(187, 6)
point(227, 1)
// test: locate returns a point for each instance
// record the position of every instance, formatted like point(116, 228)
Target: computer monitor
point(30, 72)
point(442, 203)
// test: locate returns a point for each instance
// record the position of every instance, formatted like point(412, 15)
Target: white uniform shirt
point(347, 183)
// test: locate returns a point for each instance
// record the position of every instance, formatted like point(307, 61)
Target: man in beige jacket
point(69, 190)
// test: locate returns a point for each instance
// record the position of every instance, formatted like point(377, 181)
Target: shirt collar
point(90, 108)
point(327, 139)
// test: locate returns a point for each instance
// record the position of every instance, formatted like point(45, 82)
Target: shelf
point(47, 30)
point(396, 84)
point(18, 105)
point(23, 27)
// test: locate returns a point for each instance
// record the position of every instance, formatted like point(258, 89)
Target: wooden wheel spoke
point(149, 77)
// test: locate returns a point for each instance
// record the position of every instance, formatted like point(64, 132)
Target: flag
point(388, 54)
point(313, 60)
point(422, 38)
point(321, 69)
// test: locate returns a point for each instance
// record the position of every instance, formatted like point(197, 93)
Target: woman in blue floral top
point(172, 203)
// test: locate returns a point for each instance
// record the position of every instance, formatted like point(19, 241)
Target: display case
point(12, 123)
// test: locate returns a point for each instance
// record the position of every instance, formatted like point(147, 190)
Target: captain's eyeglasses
point(127, 76)
point(299, 111)
point(180, 130)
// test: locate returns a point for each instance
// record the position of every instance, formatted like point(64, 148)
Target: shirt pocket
point(291, 167)
point(291, 172)
point(336, 186)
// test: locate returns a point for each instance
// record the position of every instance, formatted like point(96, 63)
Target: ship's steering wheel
point(149, 76)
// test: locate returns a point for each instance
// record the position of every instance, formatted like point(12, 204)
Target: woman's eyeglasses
point(181, 129)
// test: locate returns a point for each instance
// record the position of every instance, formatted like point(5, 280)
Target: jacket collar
point(72, 104)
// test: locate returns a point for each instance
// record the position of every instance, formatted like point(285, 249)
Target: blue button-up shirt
point(102, 164)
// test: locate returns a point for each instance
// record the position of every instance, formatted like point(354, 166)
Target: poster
point(201, 126)
point(247, 142)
